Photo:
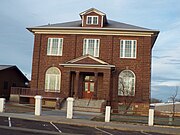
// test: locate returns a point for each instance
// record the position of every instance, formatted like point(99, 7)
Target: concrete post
point(151, 117)
point(70, 108)
point(107, 113)
point(38, 105)
point(170, 119)
point(2, 104)
point(57, 103)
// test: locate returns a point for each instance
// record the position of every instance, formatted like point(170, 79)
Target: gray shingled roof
point(2, 67)
point(77, 24)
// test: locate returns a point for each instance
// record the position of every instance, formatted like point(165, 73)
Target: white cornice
point(92, 10)
point(92, 32)
point(88, 66)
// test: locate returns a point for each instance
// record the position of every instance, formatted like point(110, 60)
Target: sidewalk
point(84, 119)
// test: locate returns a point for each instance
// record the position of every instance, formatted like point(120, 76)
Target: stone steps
point(87, 105)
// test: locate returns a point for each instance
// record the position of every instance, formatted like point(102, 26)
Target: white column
point(108, 113)
point(151, 117)
point(2, 104)
point(38, 105)
point(70, 108)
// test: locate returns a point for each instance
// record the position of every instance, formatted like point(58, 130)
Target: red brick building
point(94, 58)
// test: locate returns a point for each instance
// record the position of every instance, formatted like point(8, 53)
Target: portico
point(90, 79)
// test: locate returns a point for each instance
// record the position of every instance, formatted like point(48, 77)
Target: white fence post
point(2, 104)
point(151, 116)
point(107, 113)
point(38, 105)
point(70, 108)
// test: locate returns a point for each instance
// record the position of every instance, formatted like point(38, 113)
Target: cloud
point(17, 43)
point(161, 57)
point(163, 92)
point(168, 44)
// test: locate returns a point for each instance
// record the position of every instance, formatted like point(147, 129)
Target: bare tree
point(173, 99)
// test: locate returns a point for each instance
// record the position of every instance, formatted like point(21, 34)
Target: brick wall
point(109, 52)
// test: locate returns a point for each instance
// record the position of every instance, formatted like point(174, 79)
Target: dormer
point(93, 18)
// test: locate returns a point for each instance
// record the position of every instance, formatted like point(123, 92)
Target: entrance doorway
point(88, 87)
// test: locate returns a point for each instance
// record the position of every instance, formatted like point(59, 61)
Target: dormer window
point(92, 20)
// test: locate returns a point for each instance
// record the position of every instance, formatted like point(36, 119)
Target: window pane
point(97, 48)
point(128, 48)
point(126, 86)
point(54, 46)
point(95, 20)
point(52, 80)
point(134, 49)
point(89, 20)
point(49, 46)
point(86, 86)
point(84, 47)
point(92, 87)
point(91, 46)
point(60, 46)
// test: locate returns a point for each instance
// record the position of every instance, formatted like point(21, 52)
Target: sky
point(16, 41)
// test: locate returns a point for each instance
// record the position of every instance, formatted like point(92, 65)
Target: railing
point(30, 92)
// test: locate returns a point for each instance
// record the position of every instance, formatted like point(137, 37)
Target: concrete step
point(87, 105)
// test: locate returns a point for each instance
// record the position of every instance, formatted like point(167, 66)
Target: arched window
point(52, 80)
point(126, 83)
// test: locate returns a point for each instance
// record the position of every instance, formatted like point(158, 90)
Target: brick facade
point(107, 79)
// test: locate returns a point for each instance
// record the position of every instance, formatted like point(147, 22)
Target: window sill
point(91, 24)
point(126, 95)
point(127, 58)
point(53, 55)
point(52, 91)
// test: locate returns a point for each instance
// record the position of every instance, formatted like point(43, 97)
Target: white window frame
point(121, 83)
point(92, 20)
point(50, 46)
point(96, 46)
point(57, 77)
point(133, 51)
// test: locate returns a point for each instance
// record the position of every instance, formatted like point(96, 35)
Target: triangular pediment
point(87, 59)
point(92, 10)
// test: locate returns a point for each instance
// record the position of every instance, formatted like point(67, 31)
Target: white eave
point(87, 28)
point(88, 66)
point(87, 56)
point(92, 10)
point(94, 31)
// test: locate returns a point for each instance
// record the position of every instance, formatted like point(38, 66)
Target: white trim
point(91, 31)
point(33, 29)
point(102, 21)
point(50, 45)
point(134, 82)
point(133, 50)
point(88, 66)
point(92, 10)
point(57, 78)
point(87, 56)
point(96, 45)
point(82, 21)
